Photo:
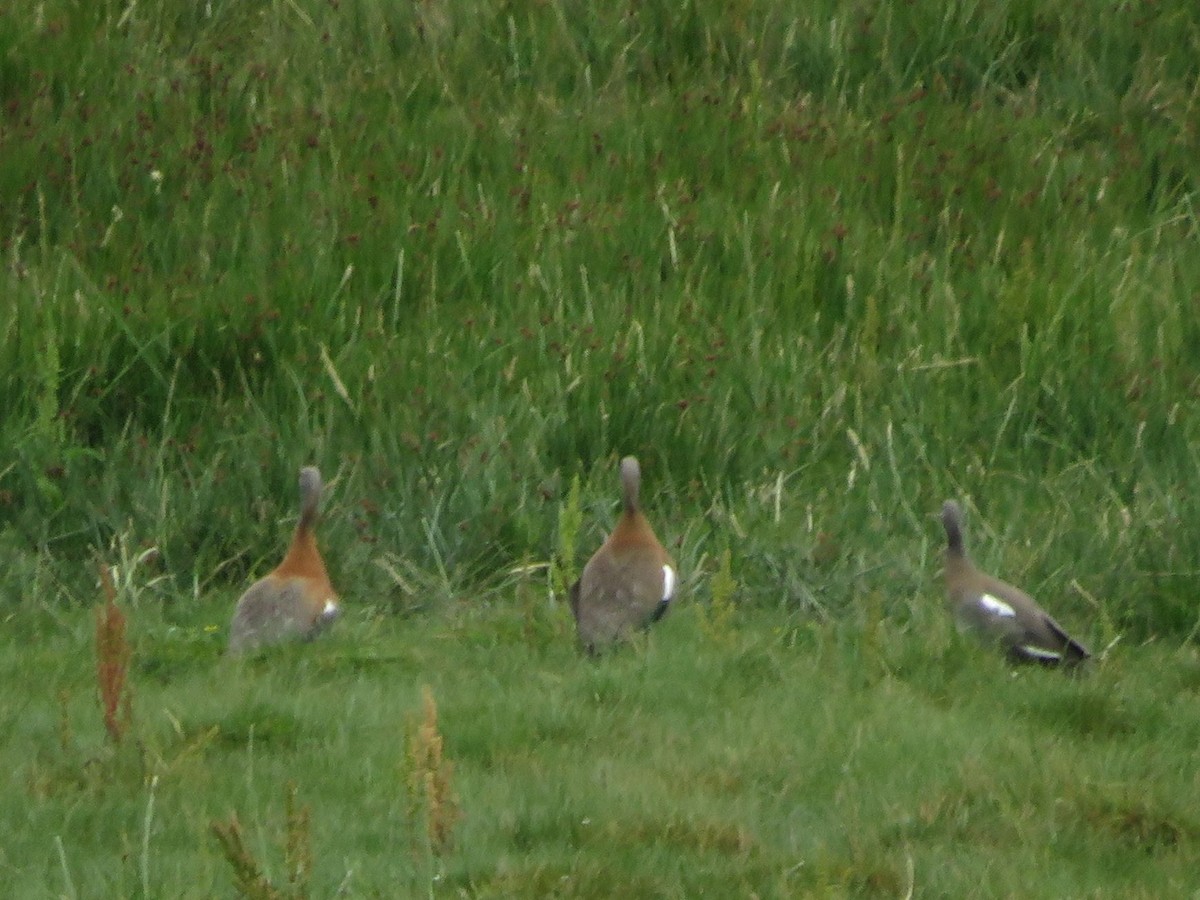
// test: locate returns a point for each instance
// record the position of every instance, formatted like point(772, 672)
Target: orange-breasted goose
point(997, 611)
point(296, 600)
point(629, 582)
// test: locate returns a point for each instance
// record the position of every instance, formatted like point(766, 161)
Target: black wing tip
point(1073, 652)
point(1070, 656)
point(1076, 655)
point(660, 610)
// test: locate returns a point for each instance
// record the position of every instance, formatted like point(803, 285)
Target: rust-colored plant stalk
point(65, 735)
point(112, 662)
point(297, 846)
point(433, 806)
point(248, 878)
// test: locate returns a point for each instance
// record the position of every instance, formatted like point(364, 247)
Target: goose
point(629, 582)
point(296, 600)
point(998, 612)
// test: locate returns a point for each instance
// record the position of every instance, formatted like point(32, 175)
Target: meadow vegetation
point(819, 266)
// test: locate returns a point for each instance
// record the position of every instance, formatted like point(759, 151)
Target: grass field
point(819, 266)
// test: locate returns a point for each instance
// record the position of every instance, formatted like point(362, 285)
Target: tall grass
point(449, 251)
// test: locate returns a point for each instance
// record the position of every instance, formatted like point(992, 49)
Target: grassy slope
point(820, 269)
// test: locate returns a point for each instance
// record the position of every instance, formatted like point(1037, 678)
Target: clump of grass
point(1137, 820)
point(542, 621)
point(717, 618)
point(131, 560)
point(873, 650)
point(570, 518)
point(113, 654)
point(432, 806)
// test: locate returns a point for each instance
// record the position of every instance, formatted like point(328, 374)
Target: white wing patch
point(331, 609)
point(1040, 653)
point(668, 583)
point(997, 607)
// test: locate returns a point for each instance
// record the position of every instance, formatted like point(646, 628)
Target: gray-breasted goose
point(296, 600)
point(629, 582)
point(997, 611)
